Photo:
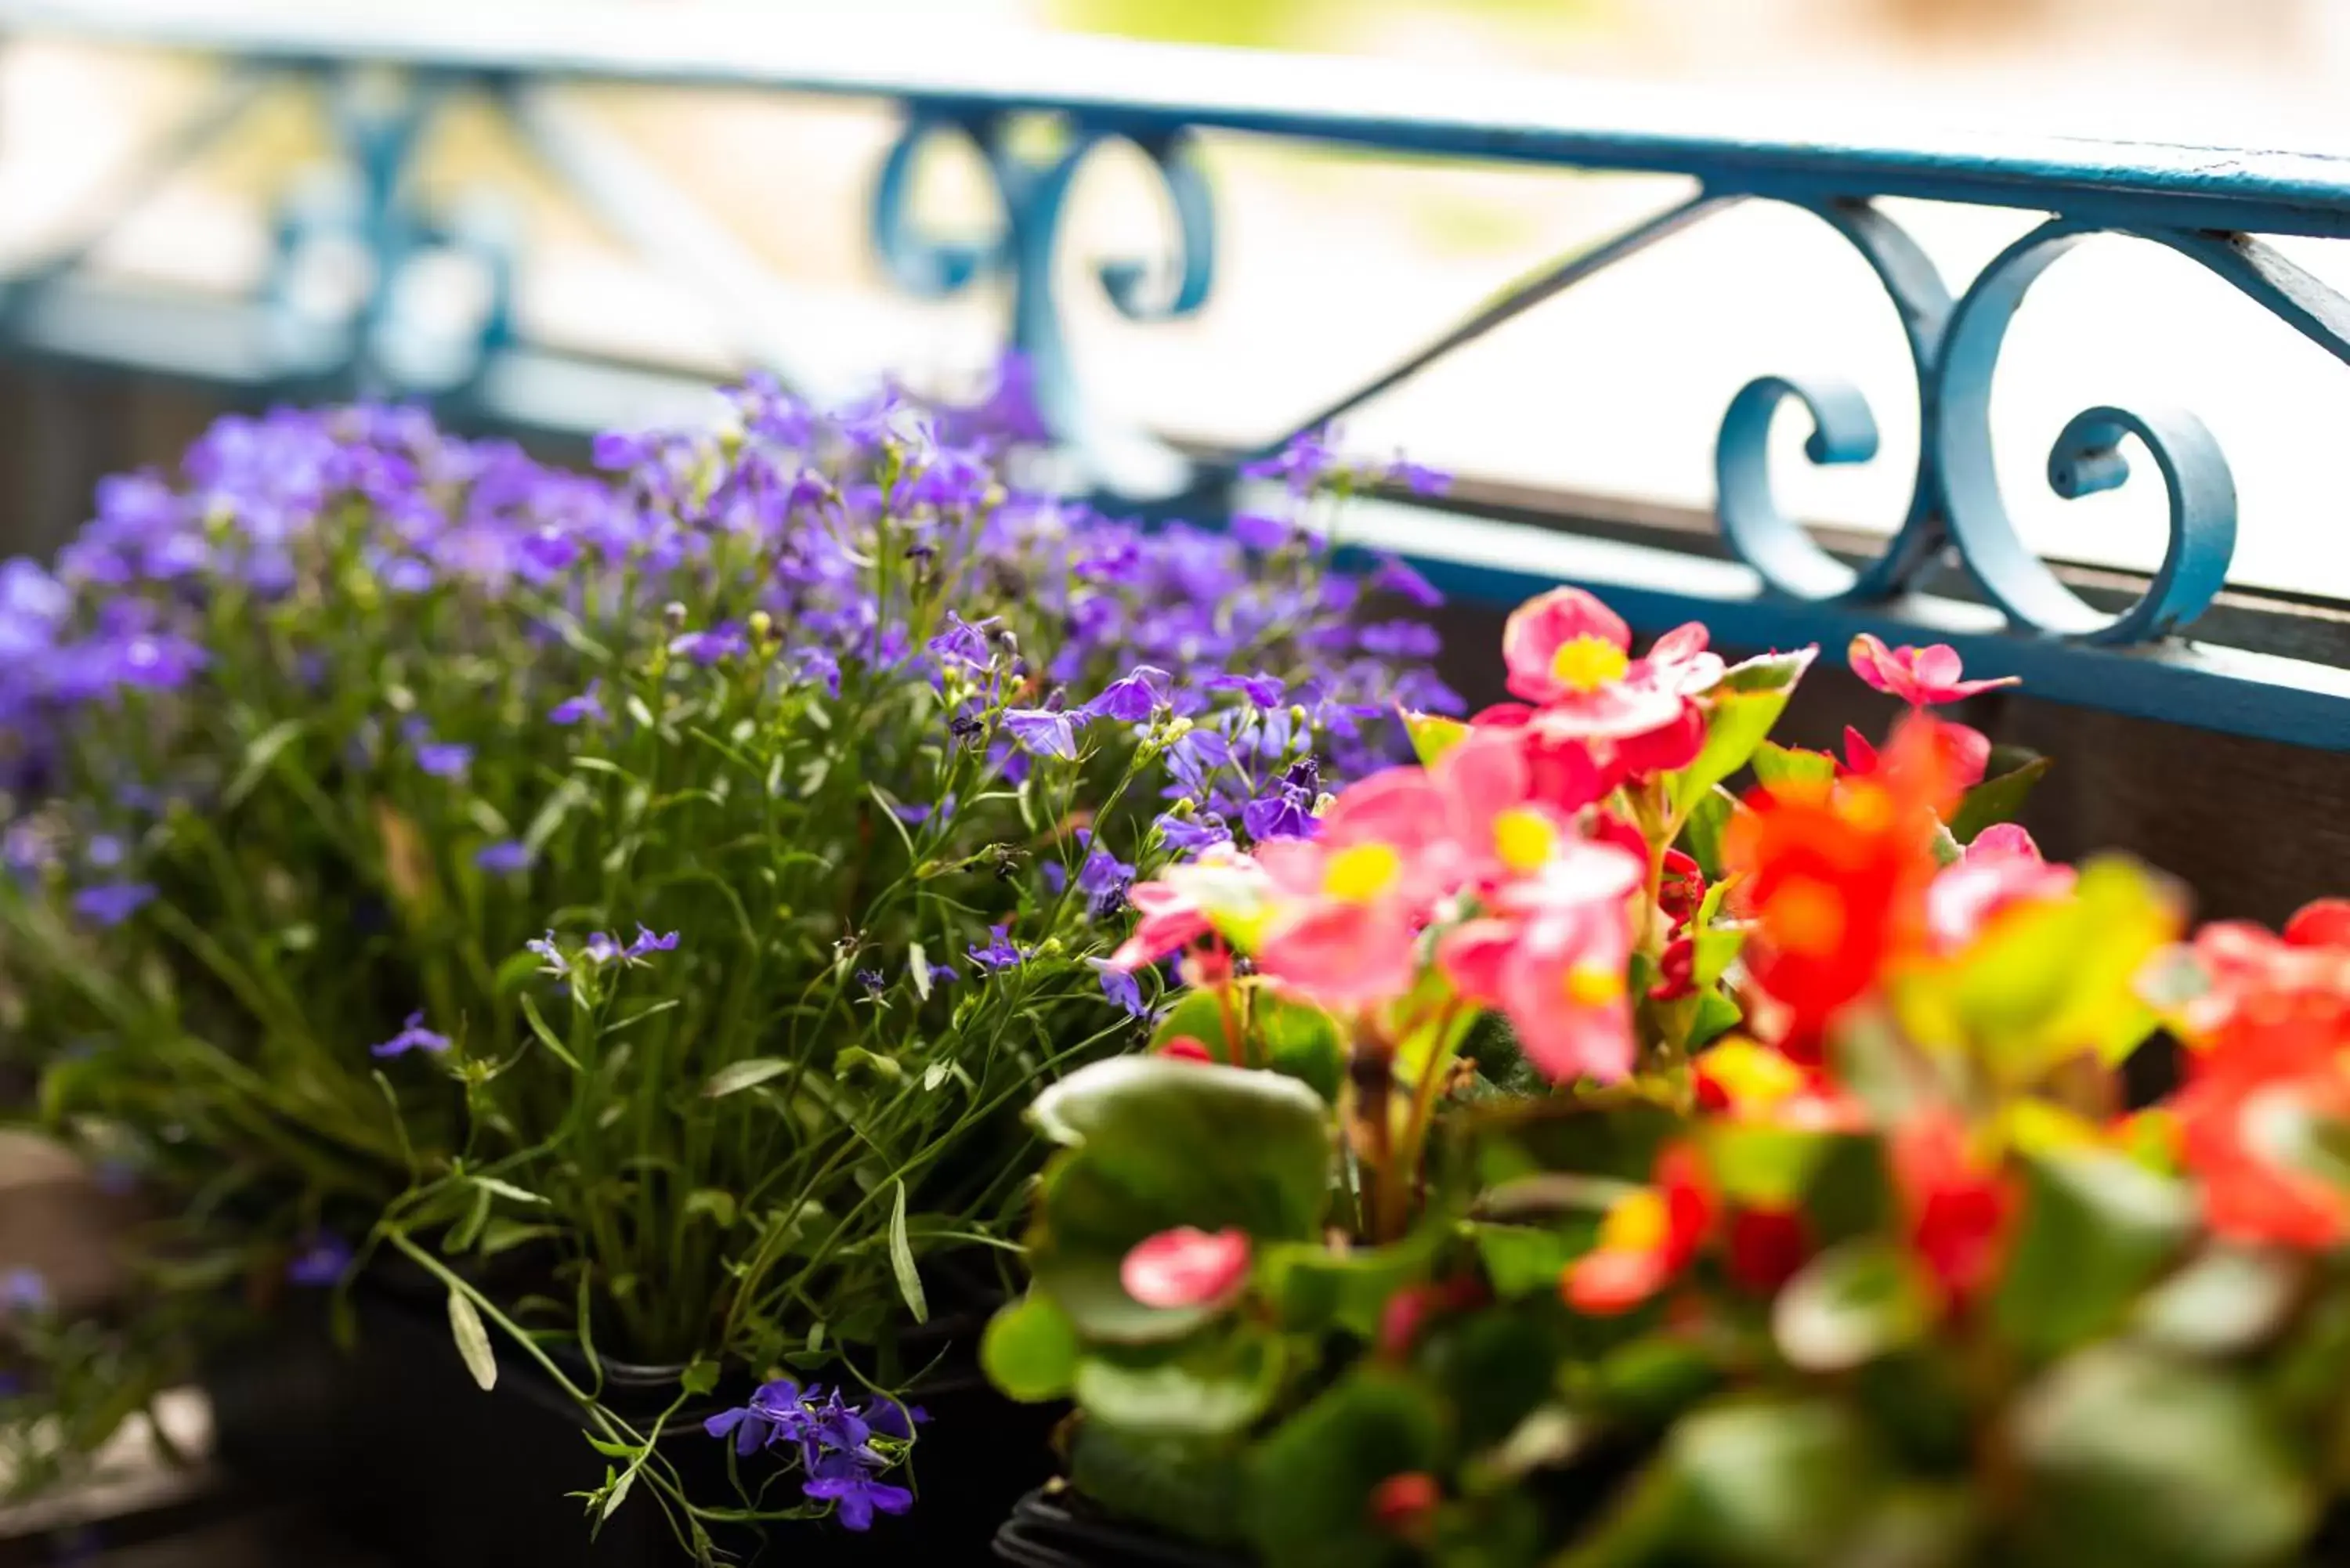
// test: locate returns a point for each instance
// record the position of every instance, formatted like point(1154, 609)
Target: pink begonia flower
point(1553, 960)
point(2000, 870)
point(1170, 920)
point(1183, 902)
point(1564, 643)
point(1967, 751)
point(1186, 1268)
point(1499, 827)
point(1921, 677)
point(1345, 929)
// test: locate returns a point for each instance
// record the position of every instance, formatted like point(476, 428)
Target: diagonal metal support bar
point(1517, 299)
point(193, 134)
point(628, 196)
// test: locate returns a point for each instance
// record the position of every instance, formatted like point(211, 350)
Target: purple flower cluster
point(839, 1462)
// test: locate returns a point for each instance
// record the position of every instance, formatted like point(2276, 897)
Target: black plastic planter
point(1052, 1527)
point(395, 1444)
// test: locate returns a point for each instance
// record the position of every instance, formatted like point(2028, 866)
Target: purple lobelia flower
point(24, 1289)
point(1284, 811)
point(412, 1036)
point(112, 903)
point(1119, 985)
point(586, 708)
point(1042, 732)
point(891, 1418)
point(855, 1493)
point(1104, 879)
point(774, 1414)
point(1000, 953)
point(1259, 532)
point(1264, 690)
point(720, 642)
point(1133, 697)
point(1304, 463)
point(445, 759)
point(1395, 576)
point(321, 1259)
point(602, 948)
point(647, 943)
point(1418, 477)
point(551, 959)
point(1188, 834)
point(504, 857)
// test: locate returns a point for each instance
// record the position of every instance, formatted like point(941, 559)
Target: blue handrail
point(2207, 205)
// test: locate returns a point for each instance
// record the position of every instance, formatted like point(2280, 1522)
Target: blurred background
point(1331, 265)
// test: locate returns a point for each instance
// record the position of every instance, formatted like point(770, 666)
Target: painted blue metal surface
point(385, 72)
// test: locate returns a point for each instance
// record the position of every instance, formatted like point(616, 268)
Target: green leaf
point(1760, 1483)
point(1736, 722)
point(1769, 671)
point(1432, 735)
point(1314, 1288)
point(716, 1202)
point(1761, 1164)
point(736, 1076)
point(1307, 1486)
point(2230, 1299)
point(1717, 1015)
point(507, 1190)
point(1199, 1014)
point(1849, 1305)
point(1156, 1144)
point(1700, 837)
point(2097, 1228)
point(2051, 979)
point(901, 1259)
point(1999, 798)
point(1030, 1350)
point(700, 1376)
point(473, 1341)
point(1525, 1259)
point(1301, 1040)
point(1775, 763)
point(259, 754)
point(1214, 1391)
point(546, 1036)
point(2124, 1459)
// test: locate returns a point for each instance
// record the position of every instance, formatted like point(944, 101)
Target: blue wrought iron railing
point(386, 75)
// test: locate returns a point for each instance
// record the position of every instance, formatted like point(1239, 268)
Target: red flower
point(1682, 890)
point(1958, 1207)
point(1968, 750)
point(1921, 677)
point(1835, 877)
point(1404, 1506)
point(1186, 1267)
point(1676, 971)
point(1408, 1311)
point(1766, 1247)
point(1649, 1237)
point(1187, 1048)
point(2323, 924)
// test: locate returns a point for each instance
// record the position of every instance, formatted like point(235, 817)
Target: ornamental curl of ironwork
point(1955, 501)
point(1034, 191)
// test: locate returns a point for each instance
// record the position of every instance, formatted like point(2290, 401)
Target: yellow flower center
point(1361, 872)
point(1754, 1077)
point(1588, 664)
point(1636, 1223)
point(1867, 807)
point(1806, 916)
point(1523, 839)
point(1594, 984)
